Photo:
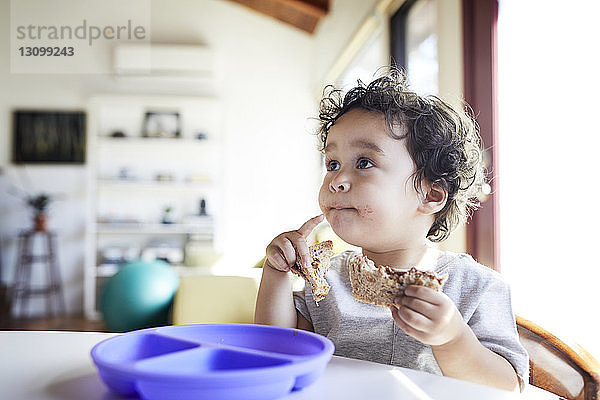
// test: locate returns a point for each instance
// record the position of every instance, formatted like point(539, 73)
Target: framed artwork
point(48, 137)
point(161, 124)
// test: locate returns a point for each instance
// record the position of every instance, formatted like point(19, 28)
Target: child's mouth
point(340, 208)
point(365, 211)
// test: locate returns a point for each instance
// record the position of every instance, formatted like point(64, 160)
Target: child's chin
point(348, 235)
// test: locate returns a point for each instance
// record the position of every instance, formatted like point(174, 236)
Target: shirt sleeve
point(300, 303)
point(493, 323)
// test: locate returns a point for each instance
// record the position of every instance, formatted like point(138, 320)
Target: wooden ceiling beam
point(303, 14)
point(315, 8)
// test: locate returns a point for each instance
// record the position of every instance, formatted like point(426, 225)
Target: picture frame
point(161, 125)
point(49, 137)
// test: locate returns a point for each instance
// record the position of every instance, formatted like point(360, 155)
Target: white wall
point(333, 35)
point(68, 214)
point(265, 76)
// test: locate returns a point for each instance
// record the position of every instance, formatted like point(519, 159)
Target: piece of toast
point(320, 254)
point(381, 285)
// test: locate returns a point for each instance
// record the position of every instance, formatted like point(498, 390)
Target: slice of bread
point(381, 285)
point(320, 254)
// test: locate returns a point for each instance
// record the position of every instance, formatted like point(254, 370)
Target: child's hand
point(428, 316)
point(286, 248)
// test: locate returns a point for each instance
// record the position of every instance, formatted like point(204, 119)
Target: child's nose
point(339, 186)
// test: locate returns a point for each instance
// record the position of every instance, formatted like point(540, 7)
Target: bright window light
point(549, 147)
point(422, 47)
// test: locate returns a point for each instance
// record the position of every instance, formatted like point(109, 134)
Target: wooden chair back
point(569, 372)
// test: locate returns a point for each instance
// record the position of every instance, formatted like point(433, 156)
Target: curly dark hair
point(443, 142)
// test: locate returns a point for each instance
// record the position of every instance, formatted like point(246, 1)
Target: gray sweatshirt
point(368, 332)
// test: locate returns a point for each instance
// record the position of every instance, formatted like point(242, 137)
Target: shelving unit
point(134, 179)
point(130, 228)
point(151, 185)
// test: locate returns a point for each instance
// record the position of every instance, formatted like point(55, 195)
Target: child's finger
point(414, 319)
point(276, 260)
point(416, 304)
point(309, 225)
point(288, 251)
point(301, 247)
point(410, 330)
point(424, 293)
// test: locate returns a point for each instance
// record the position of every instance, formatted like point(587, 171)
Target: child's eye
point(332, 165)
point(363, 163)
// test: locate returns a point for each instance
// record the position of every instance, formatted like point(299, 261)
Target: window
point(415, 44)
point(548, 145)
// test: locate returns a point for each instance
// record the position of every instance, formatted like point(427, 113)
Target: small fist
point(428, 316)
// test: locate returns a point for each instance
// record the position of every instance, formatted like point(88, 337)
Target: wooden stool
point(22, 289)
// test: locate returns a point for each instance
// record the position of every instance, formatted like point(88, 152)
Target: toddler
point(402, 172)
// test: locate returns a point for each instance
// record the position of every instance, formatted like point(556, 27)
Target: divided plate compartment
point(216, 361)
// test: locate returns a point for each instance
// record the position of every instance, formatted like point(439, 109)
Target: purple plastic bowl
point(218, 361)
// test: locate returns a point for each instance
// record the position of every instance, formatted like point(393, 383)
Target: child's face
point(367, 194)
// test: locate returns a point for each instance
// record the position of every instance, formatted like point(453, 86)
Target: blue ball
point(139, 296)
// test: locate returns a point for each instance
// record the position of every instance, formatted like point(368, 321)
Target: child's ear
point(434, 199)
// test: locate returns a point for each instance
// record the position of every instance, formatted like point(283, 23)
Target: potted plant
point(167, 217)
point(39, 204)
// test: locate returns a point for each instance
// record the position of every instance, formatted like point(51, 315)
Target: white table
point(57, 365)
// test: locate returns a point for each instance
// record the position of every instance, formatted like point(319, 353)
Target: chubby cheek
point(323, 193)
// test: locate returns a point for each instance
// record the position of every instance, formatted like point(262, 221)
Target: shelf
point(108, 270)
point(140, 229)
point(130, 210)
point(158, 141)
point(153, 185)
